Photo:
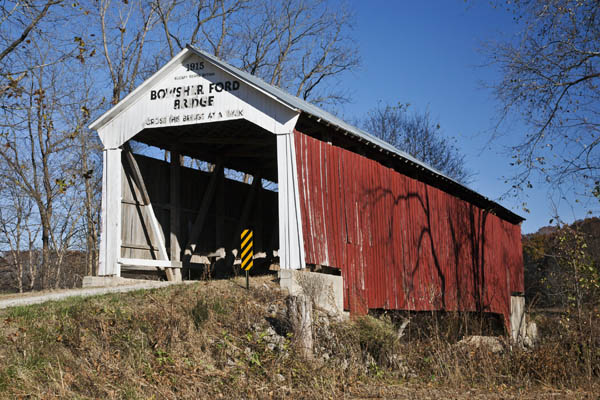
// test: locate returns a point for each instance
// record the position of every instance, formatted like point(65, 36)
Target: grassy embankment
point(217, 340)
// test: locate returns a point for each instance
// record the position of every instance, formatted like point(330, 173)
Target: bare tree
point(17, 20)
point(124, 27)
point(418, 135)
point(55, 62)
point(24, 16)
point(206, 23)
point(300, 46)
point(86, 170)
point(33, 55)
point(35, 152)
point(550, 81)
point(19, 232)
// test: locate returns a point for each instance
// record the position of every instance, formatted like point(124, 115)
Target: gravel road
point(25, 299)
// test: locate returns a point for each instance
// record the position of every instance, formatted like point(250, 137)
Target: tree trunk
point(91, 230)
point(32, 273)
point(18, 266)
point(300, 313)
point(45, 266)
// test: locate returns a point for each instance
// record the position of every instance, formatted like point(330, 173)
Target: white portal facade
point(193, 89)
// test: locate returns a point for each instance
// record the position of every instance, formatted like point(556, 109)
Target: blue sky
point(427, 53)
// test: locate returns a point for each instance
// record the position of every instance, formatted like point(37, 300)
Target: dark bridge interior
point(205, 210)
point(241, 145)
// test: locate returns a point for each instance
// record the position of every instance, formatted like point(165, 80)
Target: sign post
point(247, 253)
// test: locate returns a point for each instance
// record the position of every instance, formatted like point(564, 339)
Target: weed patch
point(377, 337)
point(200, 313)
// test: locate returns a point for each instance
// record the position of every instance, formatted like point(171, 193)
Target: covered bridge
point(402, 235)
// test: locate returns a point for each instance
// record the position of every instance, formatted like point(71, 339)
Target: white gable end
point(192, 90)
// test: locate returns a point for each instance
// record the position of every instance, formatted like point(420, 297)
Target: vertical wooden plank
point(134, 221)
point(416, 209)
point(338, 207)
point(329, 201)
point(175, 183)
point(362, 234)
point(388, 218)
point(371, 226)
point(411, 206)
point(332, 195)
point(174, 274)
point(137, 176)
point(258, 219)
point(345, 243)
point(317, 193)
point(379, 237)
point(220, 208)
point(308, 216)
point(436, 299)
point(315, 196)
point(350, 259)
point(399, 239)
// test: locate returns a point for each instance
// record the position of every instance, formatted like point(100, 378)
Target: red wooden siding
point(400, 243)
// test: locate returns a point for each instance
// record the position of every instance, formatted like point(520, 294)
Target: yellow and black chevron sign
point(246, 249)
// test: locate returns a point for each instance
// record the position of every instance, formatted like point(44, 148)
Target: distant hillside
point(72, 271)
point(548, 255)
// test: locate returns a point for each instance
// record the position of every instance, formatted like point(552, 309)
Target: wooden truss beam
point(202, 212)
point(137, 175)
point(145, 263)
point(139, 180)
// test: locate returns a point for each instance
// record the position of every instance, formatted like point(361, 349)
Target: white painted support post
point(518, 324)
point(110, 239)
point(291, 242)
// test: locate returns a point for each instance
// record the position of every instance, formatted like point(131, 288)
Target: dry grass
point(217, 340)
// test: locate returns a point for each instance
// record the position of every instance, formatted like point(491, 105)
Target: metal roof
point(329, 119)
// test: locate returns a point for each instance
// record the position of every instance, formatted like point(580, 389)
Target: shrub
point(200, 313)
point(377, 337)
